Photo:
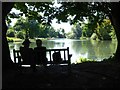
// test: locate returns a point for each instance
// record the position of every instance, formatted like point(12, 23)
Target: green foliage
point(10, 33)
point(51, 32)
point(29, 27)
point(44, 12)
point(73, 12)
point(76, 32)
point(14, 39)
point(61, 33)
point(94, 12)
point(19, 24)
point(33, 10)
point(94, 36)
point(33, 28)
point(20, 35)
point(46, 31)
point(83, 60)
point(104, 29)
point(86, 30)
point(9, 40)
point(70, 35)
point(112, 33)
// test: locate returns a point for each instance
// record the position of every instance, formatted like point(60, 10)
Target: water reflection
point(91, 49)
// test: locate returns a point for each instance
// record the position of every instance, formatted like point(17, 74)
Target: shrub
point(10, 33)
point(20, 35)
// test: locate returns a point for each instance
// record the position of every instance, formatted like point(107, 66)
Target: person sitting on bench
point(40, 53)
point(27, 54)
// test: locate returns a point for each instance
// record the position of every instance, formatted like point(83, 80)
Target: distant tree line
point(33, 29)
point(103, 31)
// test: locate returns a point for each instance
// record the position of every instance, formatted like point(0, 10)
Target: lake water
point(90, 49)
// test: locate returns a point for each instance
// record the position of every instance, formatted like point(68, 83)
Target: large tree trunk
point(6, 60)
point(115, 19)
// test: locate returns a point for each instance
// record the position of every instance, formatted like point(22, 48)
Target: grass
point(111, 59)
point(13, 39)
point(82, 59)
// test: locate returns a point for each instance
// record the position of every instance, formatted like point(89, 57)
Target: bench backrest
point(17, 56)
point(64, 55)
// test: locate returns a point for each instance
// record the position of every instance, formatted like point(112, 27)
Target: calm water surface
point(90, 49)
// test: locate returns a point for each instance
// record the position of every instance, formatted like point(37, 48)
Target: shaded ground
point(85, 75)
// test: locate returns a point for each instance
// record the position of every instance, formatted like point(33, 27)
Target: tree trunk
point(6, 59)
point(115, 19)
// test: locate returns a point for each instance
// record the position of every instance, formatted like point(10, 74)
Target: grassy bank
point(13, 39)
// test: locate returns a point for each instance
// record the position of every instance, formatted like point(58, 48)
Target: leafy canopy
point(71, 12)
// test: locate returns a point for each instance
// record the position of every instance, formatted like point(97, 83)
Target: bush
point(10, 33)
point(107, 37)
point(20, 35)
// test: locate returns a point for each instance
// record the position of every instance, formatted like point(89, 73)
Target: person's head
point(26, 43)
point(38, 42)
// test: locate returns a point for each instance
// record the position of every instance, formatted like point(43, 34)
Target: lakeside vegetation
point(33, 29)
point(14, 39)
point(110, 59)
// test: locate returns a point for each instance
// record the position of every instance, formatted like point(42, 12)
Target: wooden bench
point(66, 57)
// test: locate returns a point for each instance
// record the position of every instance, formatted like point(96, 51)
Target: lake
point(97, 50)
